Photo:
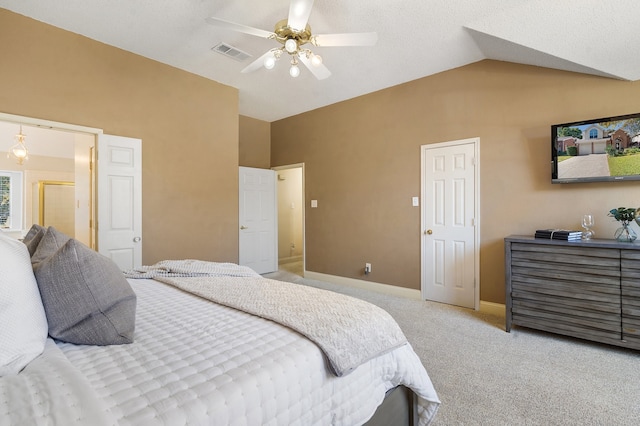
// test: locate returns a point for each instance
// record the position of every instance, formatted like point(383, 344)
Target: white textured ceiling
point(416, 38)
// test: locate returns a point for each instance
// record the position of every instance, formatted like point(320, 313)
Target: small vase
point(625, 234)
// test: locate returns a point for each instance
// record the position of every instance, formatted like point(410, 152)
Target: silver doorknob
point(137, 239)
point(243, 227)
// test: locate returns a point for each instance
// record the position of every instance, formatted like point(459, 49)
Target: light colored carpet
point(486, 376)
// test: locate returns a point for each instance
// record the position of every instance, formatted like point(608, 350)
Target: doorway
point(450, 176)
point(57, 153)
point(291, 203)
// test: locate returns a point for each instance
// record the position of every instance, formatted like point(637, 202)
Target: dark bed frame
point(396, 409)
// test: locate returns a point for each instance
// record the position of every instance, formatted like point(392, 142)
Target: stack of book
point(559, 234)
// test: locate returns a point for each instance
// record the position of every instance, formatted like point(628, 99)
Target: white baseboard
point(409, 293)
point(283, 260)
point(365, 285)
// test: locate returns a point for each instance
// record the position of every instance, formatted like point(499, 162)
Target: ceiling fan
point(293, 34)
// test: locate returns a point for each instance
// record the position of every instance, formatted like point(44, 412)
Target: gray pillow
point(35, 228)
point(86, 297)
point(51, 241)
point(33, 237)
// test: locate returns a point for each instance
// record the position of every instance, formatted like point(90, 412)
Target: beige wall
point(362, 161)
point(188, 126)
point(363, 167)
point(254, 143)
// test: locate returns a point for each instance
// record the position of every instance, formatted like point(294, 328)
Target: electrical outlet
point(367, 268)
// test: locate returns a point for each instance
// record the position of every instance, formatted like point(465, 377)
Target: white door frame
point(476, 213)
point(54, 125)
point(304, 215)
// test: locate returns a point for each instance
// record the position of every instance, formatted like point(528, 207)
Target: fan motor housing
point(283, 33)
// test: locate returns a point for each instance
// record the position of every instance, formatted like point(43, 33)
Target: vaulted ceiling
point(416, 38)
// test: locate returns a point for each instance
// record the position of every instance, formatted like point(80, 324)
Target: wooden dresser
point(585, 289)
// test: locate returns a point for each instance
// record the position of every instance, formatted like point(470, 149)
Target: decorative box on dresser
point(586, 289)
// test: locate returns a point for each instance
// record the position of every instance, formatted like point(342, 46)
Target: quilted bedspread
point(51, 391)
point(194, 362)
point(349, 331)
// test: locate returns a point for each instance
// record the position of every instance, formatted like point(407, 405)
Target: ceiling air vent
point(231, 52)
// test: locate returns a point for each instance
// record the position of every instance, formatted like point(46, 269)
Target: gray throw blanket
point(349, 331)
point(190, 268)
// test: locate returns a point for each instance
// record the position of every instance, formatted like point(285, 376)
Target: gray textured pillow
point(51, 241)
point(35, 228)
point(33, 237)
point(86, 297)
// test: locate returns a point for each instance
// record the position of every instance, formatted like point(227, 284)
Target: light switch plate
point(415, 201)
point(314, 204)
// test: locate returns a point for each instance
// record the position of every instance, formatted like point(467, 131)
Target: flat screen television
point(597, 150)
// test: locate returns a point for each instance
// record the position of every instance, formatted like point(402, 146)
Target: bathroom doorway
point(290, 190)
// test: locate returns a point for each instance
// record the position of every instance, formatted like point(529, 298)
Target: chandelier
point(292, 41)
point(19, 151)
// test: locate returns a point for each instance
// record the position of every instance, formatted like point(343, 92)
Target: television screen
point(598, 150)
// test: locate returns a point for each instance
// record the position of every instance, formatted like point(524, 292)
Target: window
point(10, 200)
point(593, 134)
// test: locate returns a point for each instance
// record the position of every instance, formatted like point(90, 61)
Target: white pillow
point(23, 323)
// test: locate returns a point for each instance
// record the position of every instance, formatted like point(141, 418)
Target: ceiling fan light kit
point(293, 33)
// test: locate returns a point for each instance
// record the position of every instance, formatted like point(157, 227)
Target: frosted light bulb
point(291, 45)
point(19, 152)
point(294, 71)
point(269, 62)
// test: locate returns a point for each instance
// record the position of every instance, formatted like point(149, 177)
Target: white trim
point(491, 308)
point(393, 290)
point(476, 213)
point(19, 119)
point(290, 259)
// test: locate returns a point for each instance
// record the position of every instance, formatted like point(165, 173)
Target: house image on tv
point(594, 141)
point(621, 140)
point(565, 142)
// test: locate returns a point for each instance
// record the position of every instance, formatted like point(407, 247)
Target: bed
point(191, 360)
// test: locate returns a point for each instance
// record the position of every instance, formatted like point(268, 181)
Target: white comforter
point(195, 362)
point(321, 316)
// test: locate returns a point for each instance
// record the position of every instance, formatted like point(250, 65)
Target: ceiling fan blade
point(320, 71)
point(299, 11)
point(347, 39)
point(257, 64)
point(221, 23)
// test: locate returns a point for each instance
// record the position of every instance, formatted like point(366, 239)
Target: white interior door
point(258, 220)
point(119, 199)
point(449, 222)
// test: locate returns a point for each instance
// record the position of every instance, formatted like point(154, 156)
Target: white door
point(258, 224)
point(258, 220)
point(119, 199)
point(449, 222)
